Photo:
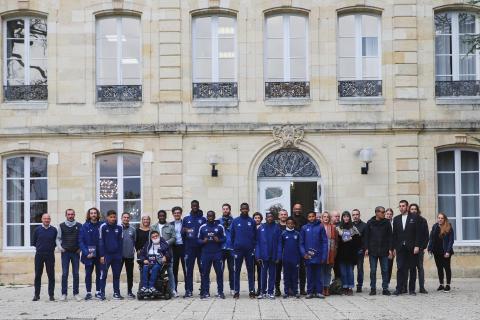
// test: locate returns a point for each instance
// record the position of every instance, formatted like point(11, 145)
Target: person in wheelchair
point(154, 255)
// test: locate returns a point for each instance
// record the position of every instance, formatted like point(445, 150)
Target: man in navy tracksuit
point(89, 238)
point(226, 222)
point(314, 249)
point(110, 249)
point(243, 235)
point(43, 240)
point(211, 237)
point(266, 252)
point(289, 254)
point(191, 225)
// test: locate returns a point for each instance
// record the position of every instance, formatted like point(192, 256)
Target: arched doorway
point(287, 176)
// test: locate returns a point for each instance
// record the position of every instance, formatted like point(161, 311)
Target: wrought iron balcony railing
point(279, 90)
point(215, 90)
point(25, 93)
point(359, 88)
point(465, 88)
point(119, 93)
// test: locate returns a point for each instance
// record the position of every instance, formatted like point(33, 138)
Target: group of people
point(305, 249)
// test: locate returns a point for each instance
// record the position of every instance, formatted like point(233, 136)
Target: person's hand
point(216, 239)
point(260, 261)
point(307, 257)
point(61, 249)
point(102, 260)
point(145, 261)
point(447, 255)
point(394, 252)
point(277, 261)
point(90, 256)
point(164, 259)
point(416, 250)
point(205, 240)
point(366, 252)
point(390, 254)
point(78, 251)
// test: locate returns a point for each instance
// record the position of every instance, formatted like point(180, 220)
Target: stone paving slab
point(461, 303)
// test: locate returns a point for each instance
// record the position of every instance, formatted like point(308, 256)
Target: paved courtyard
point(461, 303)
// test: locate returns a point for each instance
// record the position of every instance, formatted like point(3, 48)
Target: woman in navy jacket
point(441, 246)
point(88, 241)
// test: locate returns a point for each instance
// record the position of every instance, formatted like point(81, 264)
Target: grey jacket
point(129, 238)
point(168, 232)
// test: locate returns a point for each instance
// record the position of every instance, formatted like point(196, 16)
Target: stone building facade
point(127, 104)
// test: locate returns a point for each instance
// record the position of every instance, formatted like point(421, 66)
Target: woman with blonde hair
point(332, 236)
point(441, 246)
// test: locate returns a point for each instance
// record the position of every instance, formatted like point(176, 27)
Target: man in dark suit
point(406, 242)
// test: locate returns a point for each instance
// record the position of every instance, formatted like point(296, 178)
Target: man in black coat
point(360, 225)
point(300, 221)
point(424, 238)
point(377, 240)
point(406, 242)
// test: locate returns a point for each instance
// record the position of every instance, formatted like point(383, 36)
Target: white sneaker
point(175, 294)
point(63, 297)
point(77, 297)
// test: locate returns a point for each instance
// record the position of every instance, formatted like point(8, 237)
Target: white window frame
point(120, 177)
point(455, 36)
point(26, 201)
point(214, 47)
point(458, 195)
point(119, 58)
point(26, 39)
point(286, 46)
point(359, 45)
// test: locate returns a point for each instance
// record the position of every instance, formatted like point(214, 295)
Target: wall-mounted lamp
point(213, 160)
point(365, 155)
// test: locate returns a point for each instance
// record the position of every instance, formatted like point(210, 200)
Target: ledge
point(215, 103)
point(464, 250)
point(457, 100)
point(24, 105)
point(361, 100)
point(119, 105)
point(288, 102)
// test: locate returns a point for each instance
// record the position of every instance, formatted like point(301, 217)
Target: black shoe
point(36, 298)
point(303, 292)
point(359, 289)
point(372, 292)
point(187, 294)
point(277, 292)
point(236, 295)
point(51, 298)
point(447, 288)
point(117, 296)
point(412, 293)
point(422, 290)
point(309, 296)
point(130, 295)
point(441, 288)
point(397, 292)
point(252, 295)
point(258, 292)
point(221, 296)
point(385, 292)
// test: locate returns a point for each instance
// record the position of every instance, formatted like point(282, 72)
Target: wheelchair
point(161, 285)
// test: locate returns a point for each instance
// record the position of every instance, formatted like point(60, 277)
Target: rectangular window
point(25, 59)
point(119, 184)
point(286, 56)
point(26, 198)
point(214, 57)
point(119, 67)
point(458, 191)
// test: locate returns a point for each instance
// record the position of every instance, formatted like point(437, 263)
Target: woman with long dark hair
point(441, 246)
point(349, 242)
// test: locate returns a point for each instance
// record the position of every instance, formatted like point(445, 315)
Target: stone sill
point(24, 105)
point(464, 249)
point(215, 103)
point(119, 105)
point(457, 100)
point(288, 102)
point(361, 100)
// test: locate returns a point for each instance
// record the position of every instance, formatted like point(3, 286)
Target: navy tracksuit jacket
point(89, 238)
point(266, 250)
point(226, 222)
point(110, 247)
point(211, 255)
point(191, 225)
point(289, 254)
point(243, 233)
point(314, 241)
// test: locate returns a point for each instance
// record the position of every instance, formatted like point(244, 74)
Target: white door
point(273, 193)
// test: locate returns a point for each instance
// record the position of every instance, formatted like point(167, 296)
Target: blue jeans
point(326, 275)
point(373, 271)
point(346, 273)
point(360, 261)
point(149, 282)
point(74, 259)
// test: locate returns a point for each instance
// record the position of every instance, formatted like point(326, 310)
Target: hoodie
point(162, 251)
point(243, 233)
point(208, 231)
point(314, 241)
point(193, 222)
point(89, 238)
point(110, 240)
point(289, 247)
point(377, 237)
point(268, 235)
